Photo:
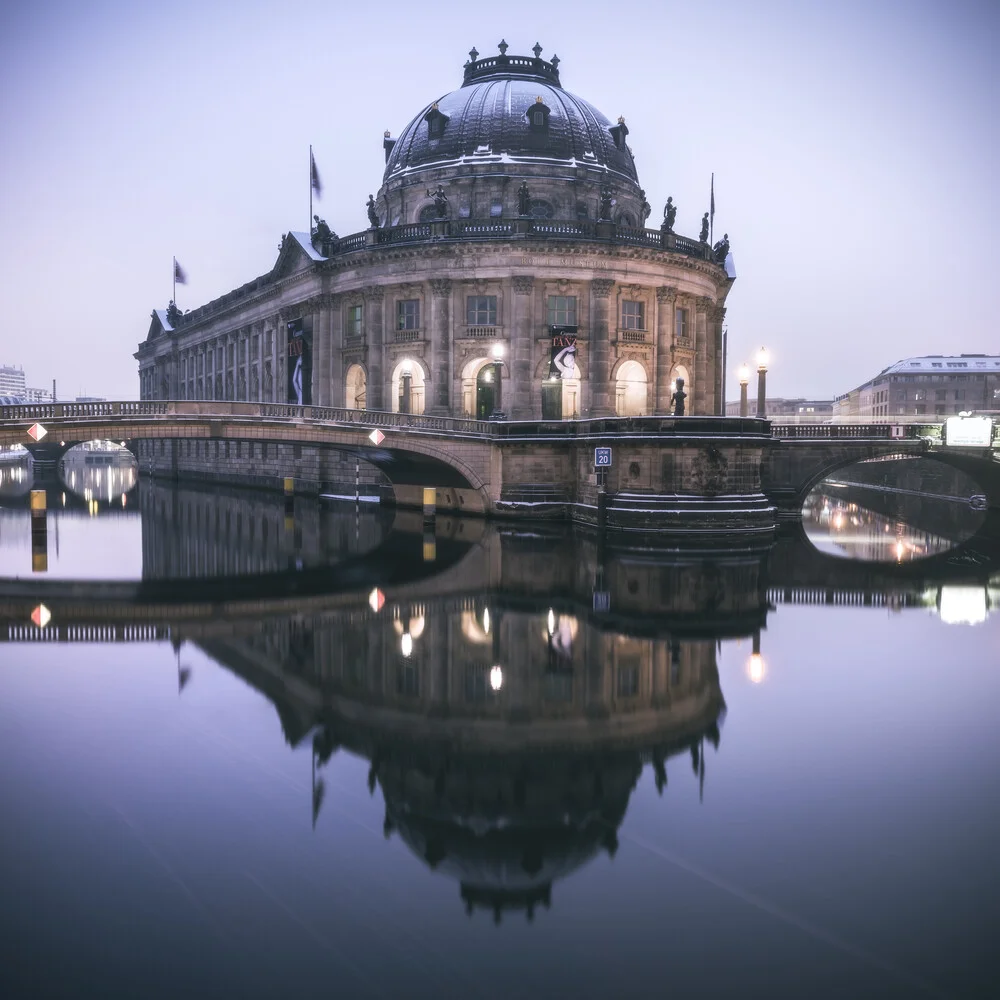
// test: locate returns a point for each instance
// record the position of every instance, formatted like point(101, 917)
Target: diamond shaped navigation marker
point(36, 432)
point(376, 599)
point(376, 436)
point(41, 616)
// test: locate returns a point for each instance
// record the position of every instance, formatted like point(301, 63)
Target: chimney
point(53, 390)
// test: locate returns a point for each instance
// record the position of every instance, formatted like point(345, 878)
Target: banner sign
point(563, 358)
point(299, 373)
point(968, 432)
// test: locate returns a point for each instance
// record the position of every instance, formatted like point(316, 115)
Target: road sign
point(602, 600)
point(376, 436)
point(375, 600)
point(41, 616)
point(602, 458)
point(36, 432)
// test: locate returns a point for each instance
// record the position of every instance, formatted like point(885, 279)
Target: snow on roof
point(946, 362)
point(306, 243)
point(161, 315)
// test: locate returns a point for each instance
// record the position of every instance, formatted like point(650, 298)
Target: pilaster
point(373, 320)
point(520, 347)
point(666, 300)
point(438, 400)
point(601, 396)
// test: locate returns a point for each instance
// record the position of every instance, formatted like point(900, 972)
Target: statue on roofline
point(607, 201)
point(669, 215)
point(703, 238)
point(677, 399)
point(372, 213)
point(523, 200)
point(173, 313)
point(721, 249)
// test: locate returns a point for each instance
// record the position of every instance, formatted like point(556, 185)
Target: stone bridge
point(711, 473)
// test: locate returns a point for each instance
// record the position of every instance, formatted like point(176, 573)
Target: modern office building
point(933, 386)
point(506, 269)
point(789, 410)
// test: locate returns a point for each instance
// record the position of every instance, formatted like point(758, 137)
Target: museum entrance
point(485, 392)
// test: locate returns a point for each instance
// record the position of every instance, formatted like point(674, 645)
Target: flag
point(179, 276)
point(317, 185)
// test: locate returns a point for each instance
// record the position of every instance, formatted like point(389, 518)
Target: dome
point(492, 113)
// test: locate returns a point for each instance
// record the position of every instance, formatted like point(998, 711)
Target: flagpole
point(711, 216)
point(174, 273)
point(309, 228)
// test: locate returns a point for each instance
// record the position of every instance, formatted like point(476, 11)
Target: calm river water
point(258, 752)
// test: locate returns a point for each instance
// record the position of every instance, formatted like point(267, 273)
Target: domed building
point(507, 272)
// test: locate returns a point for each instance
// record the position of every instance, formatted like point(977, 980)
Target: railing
point(633, 336)
point(406, 336)
point(483, 331)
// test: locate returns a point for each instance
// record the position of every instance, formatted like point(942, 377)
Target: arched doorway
point(479, 388)
point(561, 397)
point(356, 388)
point(631, 390)
point(408, 387)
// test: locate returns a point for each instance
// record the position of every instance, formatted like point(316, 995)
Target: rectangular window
point(940, 393)
point(634, 315)
point(481, 310)
point(959, 394)
point(681, 323)
point(562, 310)
point(919, 409)
point(408, 314)
point(354, 317)
point(628, 680)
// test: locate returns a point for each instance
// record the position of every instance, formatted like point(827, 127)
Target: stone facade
point(494, 228)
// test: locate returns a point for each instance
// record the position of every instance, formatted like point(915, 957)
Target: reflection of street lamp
point(496, 678)
point(762, 383)
point(756, 668)
point(497, 353)
point(405, 388)
point(744, 381)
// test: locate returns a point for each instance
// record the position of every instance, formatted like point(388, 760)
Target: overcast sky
point(854, 146)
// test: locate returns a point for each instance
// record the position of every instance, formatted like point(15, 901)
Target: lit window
point(408, 314)
point(562, 310)
point(634, 315)
point(481, 310)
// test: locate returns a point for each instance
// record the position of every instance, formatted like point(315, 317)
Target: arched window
point(541, 209)
point(538, 116)
point(427, 214)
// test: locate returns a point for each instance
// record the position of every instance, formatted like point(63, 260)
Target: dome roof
point(489, 115)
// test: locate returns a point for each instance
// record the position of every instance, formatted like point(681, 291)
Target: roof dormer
point(436, 122)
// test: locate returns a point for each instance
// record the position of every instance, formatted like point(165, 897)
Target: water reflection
point(101, 473)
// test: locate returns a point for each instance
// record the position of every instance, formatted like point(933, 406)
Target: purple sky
point(854, 147)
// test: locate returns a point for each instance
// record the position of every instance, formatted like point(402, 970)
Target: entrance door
point(552, 399)
point(484, 393)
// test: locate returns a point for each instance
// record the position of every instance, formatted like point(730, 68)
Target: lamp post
point(497, 353)
point(762, 383)
point(406, 389)
point(744, 382)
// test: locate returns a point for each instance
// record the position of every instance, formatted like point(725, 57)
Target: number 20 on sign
point(602, 458)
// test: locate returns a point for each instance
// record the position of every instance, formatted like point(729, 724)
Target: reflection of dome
point(492, 111)
point(507, 827)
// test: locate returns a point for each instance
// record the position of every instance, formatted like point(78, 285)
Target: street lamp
point(756, 668)
point(497, 353)
point(744, 381)
point(762, 383)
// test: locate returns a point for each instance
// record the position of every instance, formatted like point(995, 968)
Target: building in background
point(932, 386)
point(507, 270)
point(789, 410)
point(13, 386)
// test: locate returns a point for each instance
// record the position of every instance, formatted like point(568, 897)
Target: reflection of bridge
point(654, 595)
point(712, 467)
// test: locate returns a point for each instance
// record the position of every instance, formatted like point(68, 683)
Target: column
point(374, 298)
point(321, 352)
point(718, 316)
point(438, 400)
point(280, 355)
point(666, 299)
point(520, 325)
point(702, 388)
point(335, 390)
point(602, 403)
